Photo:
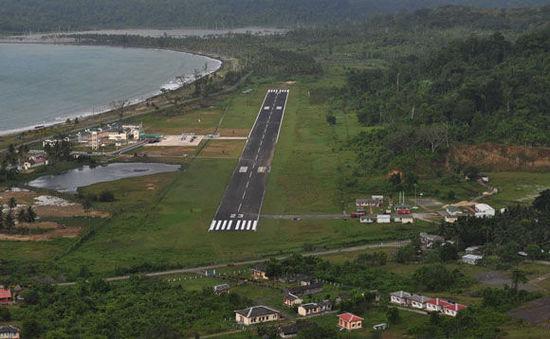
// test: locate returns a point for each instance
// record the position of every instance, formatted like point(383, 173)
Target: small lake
point(71, 180)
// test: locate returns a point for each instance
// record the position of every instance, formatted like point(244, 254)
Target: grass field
point(161, 221)
point(518, 187)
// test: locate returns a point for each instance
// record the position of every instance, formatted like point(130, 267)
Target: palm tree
point(12, 203)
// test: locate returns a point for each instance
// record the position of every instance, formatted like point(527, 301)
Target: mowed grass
point(167, 227)
point(304, 172)
point(517, 187)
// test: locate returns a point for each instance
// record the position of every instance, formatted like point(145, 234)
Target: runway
point(240, 207)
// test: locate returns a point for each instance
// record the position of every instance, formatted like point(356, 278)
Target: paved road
point(257, 261)
point(241, 203)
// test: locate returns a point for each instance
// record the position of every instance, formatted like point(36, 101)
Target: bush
point(106, 196)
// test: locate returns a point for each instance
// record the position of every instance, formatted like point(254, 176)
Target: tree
point(22, 216)
point(9, 221)
point(438, 278)
point(534, 251)
point(31, 329)
point(447, 252)
point(331, 119)
point(518, 277)
point(542, 201)
point(12, 203)
point(392, 315)
point(106, 196)
point(405, 254)
point(31, 215)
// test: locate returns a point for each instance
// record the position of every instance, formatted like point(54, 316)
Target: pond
point(71, 180)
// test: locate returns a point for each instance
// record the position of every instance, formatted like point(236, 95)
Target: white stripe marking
point(229, 226)
point(218, 225)
point(254, 226)
point(249, 225)
point(223, 225)
point(212, 225)
point(238, 225)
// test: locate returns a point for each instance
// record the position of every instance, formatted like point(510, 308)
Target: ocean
point(41, 84)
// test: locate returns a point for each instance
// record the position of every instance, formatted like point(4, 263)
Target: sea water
point(41, 84)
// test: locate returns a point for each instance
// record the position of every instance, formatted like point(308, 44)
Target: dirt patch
point(492, 157)
point(22, 197)
point(536, 312)
point(69, 211)
point(44, 225)
point(223, 148)
point(72, 232)
point(500, 279)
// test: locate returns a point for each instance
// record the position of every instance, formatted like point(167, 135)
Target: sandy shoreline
point(170, 84)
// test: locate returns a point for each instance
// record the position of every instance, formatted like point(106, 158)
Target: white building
point(256, 315)
point(400, 297)
point(118, 136)
point(383, 218)
point(484, 211)
point(471, 259)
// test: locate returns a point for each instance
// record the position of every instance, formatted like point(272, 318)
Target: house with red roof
point(349, 321)
point(5, 296)
point(452, 308)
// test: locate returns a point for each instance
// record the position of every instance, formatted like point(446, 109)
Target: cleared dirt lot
point(536, 312)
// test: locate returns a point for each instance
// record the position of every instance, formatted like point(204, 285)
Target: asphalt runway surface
point(242, 201)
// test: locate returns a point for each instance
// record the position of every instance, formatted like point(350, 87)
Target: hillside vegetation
point(53, 15)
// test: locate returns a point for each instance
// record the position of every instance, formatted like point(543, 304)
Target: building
point(292, 300)
point(407, 219)
point(484, 211)
point(35, 161)
point(118, 136)
point(403, 210)
point(368, 202)
point(380, 327)
point(314, 308)
point(54, 142)
point(418, 301)
point(259, 272)
point(306, 280)
point(256, 314)
point(365, 220)
point(429, 240)
point(451, 308)
point(349, 321)
point(434, 305)
point(472, 250)
point(221, 289)
point(288, 331)
point(400, 297)
point(9, 332)
point(383, 218)
point(5, 296)
point(472, 259)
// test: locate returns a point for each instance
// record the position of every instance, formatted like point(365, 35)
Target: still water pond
point(71, 180)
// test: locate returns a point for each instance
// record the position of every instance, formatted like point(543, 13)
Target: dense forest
point(60, 15)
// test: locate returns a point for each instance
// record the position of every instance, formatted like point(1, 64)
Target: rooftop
point(349, 317)
point(256, 311)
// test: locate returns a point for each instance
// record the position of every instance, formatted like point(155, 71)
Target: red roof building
point(5, 296)
point(350, 321)
point(450, 308)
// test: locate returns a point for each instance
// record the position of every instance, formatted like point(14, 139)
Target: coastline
point(169, 84)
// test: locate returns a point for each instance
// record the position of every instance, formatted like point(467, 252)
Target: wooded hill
point(55, 15)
